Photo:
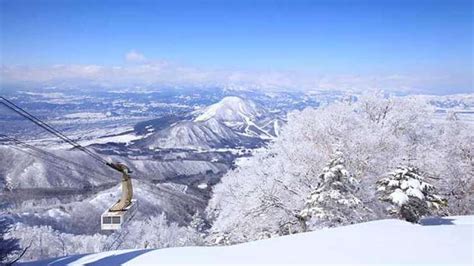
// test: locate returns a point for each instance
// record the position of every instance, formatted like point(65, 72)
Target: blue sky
point(328, 38)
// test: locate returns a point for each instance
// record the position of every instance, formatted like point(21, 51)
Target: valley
point(177, 143)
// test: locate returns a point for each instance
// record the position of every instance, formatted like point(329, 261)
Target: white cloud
point(134, 57)
point(166, 73)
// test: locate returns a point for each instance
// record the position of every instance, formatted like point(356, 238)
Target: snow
point(394, 183)
point(95, 257)
point(398, 197)
point(415, 193)
point(406, 182)
point(87, 115)
point(56, 212)
point(125, 138)
point(229, 109)
point(413, 183)
point(192, 135)
point(202, 186)
point(440, 241)
point(114, 134)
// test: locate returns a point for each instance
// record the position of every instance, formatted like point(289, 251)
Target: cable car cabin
point(124, 209)
point(113, 220)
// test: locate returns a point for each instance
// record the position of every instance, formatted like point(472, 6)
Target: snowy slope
point(231, 109)
point(446, 241)
point(193, 135)
point(243, 116)
point(232, 122)
point(21, 170)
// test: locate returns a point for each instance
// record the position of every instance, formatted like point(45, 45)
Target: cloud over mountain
point(141, 71)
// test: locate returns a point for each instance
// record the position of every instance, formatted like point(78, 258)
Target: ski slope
point(446, 241)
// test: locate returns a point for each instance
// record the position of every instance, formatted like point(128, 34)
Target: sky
point(404, 45)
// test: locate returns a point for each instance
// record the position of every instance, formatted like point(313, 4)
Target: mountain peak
point(230, 109)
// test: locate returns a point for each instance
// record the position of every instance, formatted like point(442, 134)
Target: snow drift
point(445, 241)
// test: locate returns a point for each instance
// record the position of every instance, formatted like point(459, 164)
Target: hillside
point(231, 109)
point(243, 116)
point(192, 135)
point(230, 123)
point(445, 241)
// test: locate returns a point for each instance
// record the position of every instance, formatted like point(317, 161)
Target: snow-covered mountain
point(230, 123)
point(195, 135)
point(440, 241)
point(25, 169)
point(243, 116)
point(231, 109)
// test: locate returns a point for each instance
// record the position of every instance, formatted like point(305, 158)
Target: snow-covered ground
point(446, 241)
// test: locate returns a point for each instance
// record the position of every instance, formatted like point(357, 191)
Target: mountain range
point(175, 161)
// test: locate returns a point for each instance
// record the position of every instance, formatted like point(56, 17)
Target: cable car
point(125, 208)
point(113, 220)
point(122, 211)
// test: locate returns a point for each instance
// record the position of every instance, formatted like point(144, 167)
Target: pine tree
point(333, 202)
point(410, 196)
point(8, 246)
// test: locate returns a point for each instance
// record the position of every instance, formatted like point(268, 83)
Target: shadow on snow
point(437, 221)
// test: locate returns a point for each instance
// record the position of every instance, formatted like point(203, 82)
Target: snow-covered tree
point(198, 223)
point(333, 201)
point(9, 183)
point(219, 239)
point(262, 196)
point(455, 172)
point(409, 194)
point(9, 246)
point(156, 232)
point(45, 242)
